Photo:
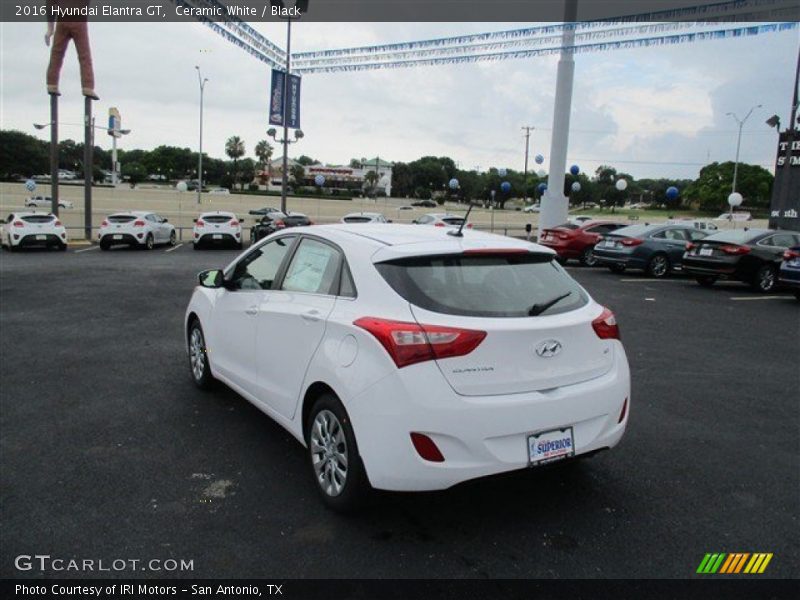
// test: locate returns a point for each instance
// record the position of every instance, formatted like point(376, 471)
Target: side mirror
point(164, 220)
point(2, 221)
point(213, 278)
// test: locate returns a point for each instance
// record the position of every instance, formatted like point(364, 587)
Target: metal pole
point(527, 129)
point(88, 167)
point(114, 160)
point(554, 203)
point(54, 153)
point(200, 154)
point(285, 175)
point(736, 162)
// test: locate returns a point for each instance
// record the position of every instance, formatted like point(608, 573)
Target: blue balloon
point(574, 169)
point(30, 185)
point(502, 172)
point(506, 187)
point(541, 187)
point(672, 192)
point(453, 184)
point(319, 180)
point(539, 159)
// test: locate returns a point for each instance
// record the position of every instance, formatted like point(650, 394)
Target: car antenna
point(464, 222)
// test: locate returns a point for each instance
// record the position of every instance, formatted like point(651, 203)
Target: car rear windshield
point(296, 220)
point(121, 218)
point(38, 219)
point(633, 230)
point(734, 236)
point(501, 285)
point(568, 226)
point(217, 219)
point(357, 219)
point(453, 220)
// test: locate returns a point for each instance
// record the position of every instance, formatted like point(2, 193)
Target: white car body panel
point(130, 233)
point(217, 226)
point(274, 355)
point(15, 231)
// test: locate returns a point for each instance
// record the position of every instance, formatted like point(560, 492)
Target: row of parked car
point(762, 258)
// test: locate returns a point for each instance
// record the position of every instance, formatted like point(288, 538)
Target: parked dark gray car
point(655, 249)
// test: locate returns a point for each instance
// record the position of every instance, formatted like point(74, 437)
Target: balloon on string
point(576, 187)
point(735, 199)
point(574, 169)
point(453, 184)
point(621, 184)
point(506, 187)
point(30, 185)
point(539, 159)
point(319, 180)
point(542, 187)
point(502, 172)
point(672, 192)
point(181, 186)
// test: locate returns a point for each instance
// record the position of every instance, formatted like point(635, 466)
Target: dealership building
point(351, 177)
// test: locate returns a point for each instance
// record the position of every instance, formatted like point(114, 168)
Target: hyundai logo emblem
point(548, 348)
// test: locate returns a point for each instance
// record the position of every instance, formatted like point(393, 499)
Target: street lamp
point(741, 123)
point(298, 135)
point(202, 81)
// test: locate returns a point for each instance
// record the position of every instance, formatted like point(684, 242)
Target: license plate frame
point(216, 236)
point(706, 252)
point(117, 236)
point(562, 440)
point(41, 237)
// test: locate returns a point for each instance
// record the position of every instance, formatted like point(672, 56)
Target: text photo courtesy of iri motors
point(369, 299)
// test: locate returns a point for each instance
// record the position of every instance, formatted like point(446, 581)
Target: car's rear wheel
point(616, 268)
point(658, 266)
point(198, 357)
point(149, 242)
point(62, 247)
point(764, 280)
point(104, 245)
point(333, 453)
point(706, 280)
point(587, 257)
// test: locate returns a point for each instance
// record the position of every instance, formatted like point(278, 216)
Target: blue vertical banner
point(276, 100)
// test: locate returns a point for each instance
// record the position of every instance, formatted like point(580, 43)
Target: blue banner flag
point(276, 100)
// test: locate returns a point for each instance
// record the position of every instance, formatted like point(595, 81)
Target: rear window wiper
point(538, 309)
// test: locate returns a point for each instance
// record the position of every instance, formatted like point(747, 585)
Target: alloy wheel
point(766, 279)
point(329, 452)
point(197, 354)
point(659, 266)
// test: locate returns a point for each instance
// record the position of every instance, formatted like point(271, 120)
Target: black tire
point(104, 245)
point(616, 268)
point(149, 242)
point(706, 280)
point(196, 245)
point(587, 258)
point(658, 266)
point(198, 357)
point(11, 247)
point(172, 238)
point(62, 247)
point(765, 279)
point(355, 488)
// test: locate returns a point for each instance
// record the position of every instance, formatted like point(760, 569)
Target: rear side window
point(483, 286)
point(121, 218)
point(314, 269)
point(39, 219)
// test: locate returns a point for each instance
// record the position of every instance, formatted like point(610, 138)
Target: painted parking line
point(174, 247)
point(745, 298)
point(87, 249)
point(648, 280)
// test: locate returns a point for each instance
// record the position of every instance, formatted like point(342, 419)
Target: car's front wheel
point(658, 266)
point(198, 357)
point(764, 281)
point(335, 462)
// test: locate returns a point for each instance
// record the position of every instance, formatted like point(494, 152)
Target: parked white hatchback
point(27, 229)
point(138, 229)
point(412, 358)
point(46, 202)
point(364, 217)
point(216, 229)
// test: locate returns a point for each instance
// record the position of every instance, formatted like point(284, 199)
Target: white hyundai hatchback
point(409, 358)
point(26, 229)
point(217, 228)
point(136, 228)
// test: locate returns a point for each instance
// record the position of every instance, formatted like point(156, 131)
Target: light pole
point(298, 135)
point(202, 81)
point(739, 142)
point(527, 129)
point(114, 172)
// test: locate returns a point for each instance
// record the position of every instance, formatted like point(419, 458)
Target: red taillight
point(469, 225)
point(19, 224)
point(279, 223)
point(438, 224)
point(199, 223)
point(426, 447)
point(790, 254)
point(104, 223)
point(689, 246)
point(138, 223)
point(624, 412)
point(632, 242)
point(234, 223)
point(58, 223)
point(733, 249)
point(605, 326)
point(410, 343)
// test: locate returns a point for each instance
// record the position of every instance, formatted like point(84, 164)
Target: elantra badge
point(548, 348)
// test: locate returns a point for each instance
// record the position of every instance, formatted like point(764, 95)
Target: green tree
point(134, 172)
point(234, 148)
point(23, 155)
point(298, 174)
point(306, 161)
point(371, 180)
point(264, 154)
point(714, 184)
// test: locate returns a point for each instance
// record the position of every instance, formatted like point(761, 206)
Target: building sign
point(114, 122)
point(276, 100)
point(785, 205)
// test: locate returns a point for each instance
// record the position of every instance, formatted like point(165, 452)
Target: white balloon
point(621, 184)
point(576, 187)
point(735, 199)
point(181, 186)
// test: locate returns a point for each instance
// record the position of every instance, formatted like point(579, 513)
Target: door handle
point(252, 310)
point(311, 315)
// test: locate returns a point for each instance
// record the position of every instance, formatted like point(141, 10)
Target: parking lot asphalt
point(107, 450)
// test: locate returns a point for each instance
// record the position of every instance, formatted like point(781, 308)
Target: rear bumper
point(478, 435)
point(564, 250)
point(628, 260)
point(714, 268)
point(224, 239)
point(789, 277)
point(31, 240)
point(125, 238)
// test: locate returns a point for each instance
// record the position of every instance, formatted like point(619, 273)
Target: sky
point(650, 112)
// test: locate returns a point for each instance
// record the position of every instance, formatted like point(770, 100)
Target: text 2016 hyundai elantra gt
point(409, 358)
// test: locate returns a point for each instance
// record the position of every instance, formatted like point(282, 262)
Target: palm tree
point(234, 148)
point(372, 179)
point(264, 154)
